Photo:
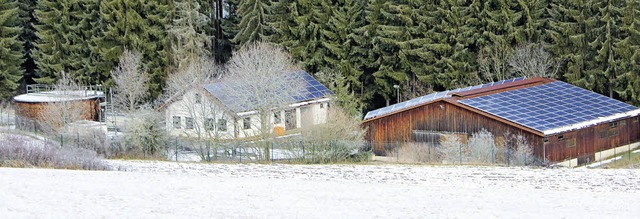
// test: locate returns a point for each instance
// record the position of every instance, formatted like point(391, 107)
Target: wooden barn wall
point(585, 143)
point(438, 116)
point(37, 110)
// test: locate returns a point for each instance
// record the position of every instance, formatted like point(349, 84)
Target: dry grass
point(626, 162)
point(413, 153)
point(21, 151)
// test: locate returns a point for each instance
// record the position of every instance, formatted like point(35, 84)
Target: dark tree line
point(420, 45)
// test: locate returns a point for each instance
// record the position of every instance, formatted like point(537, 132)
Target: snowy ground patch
point(189, 190)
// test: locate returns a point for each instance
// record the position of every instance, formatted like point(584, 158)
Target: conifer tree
point(28, 37)
point(603, 73)
point(628, 51)
point(309, 33)
point(64, 32)
point(253, 21)
point(10, 48)
point(569, 34)
point(189, 40)
point(140, 26)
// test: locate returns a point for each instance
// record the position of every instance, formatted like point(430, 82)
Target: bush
point(20, 151)
point(144, 136)
point(449, 150)
point(482, 147)
point(336, 140)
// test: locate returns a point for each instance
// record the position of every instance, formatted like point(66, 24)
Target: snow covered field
point(149, 189)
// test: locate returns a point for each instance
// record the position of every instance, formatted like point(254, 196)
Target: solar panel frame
point(549, 106)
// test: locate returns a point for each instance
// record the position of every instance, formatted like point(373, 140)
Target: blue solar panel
point(430, 97)
point(549, 106)
point(312, 90)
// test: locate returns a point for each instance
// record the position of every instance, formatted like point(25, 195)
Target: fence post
point(78, 138)
point(303, 152)
point(493, 153)
point(176, 151)
point(397, 157)
point(240, 152)
point(429, 153)
point(271, 152)
point(460, 151)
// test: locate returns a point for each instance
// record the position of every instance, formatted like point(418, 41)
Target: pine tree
point(189, 39)
point(628, 51)
point(28, 37)
point(569, 34)
point(10, 48)
point(309, 34)
point(281, 20)
point(606, 31)
point(64, 32)
point(253, 21)
point(139, 26)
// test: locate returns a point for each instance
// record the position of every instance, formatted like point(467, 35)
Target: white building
point(210, 112)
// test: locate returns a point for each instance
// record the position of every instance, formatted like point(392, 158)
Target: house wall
point(208, 108)
point(188, 107)
point(585, 143)
point(440, 116)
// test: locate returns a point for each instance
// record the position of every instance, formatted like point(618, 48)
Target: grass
point(23, 151)
point(631, 162)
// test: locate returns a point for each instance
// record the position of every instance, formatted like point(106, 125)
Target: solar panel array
point(548, 106)
point(430, 97)
point(238, 96)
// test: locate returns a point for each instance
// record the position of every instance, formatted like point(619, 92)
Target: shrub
point(20, 151)
point(482, 147)
point(451, 150)
point(523, 154)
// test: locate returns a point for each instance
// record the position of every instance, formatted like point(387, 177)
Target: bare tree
point(62, 109)
point(204, 115)
point(131, 81)
point(532, 60)
point(260, 78)
point(493, 63)
point(523, 154)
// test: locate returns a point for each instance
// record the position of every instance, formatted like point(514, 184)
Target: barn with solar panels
point(227, 109)
point(562, 122)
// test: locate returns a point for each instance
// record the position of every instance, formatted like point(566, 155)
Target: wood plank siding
point(447, 116)
point(440, 116)
point(585, 143)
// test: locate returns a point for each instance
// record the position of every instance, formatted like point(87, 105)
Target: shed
point(560, 121)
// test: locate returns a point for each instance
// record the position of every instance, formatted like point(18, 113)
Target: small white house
point(208, 111)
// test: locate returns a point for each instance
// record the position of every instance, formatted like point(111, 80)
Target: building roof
point(312, 89)
point(544, 105)
point(430, 97)
point(549, 106)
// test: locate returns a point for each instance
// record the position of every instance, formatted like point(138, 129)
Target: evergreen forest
point(421, 45)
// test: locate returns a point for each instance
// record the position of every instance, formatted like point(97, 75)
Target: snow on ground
point(152, 189)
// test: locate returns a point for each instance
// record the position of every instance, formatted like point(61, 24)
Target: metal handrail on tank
point(84, 91)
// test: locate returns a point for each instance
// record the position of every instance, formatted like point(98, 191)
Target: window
point(188, 122)
point(276, 118)
point(635, 119)
point(613, 124)
point(623, 122)
point(571, 143)
point(208, 124)
point(176, 122)
point(614, 132)
point(246, 123)
point(222, 125)
point(321, 105)
point(198, 98)
point(545, 140)
point(560, 137)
